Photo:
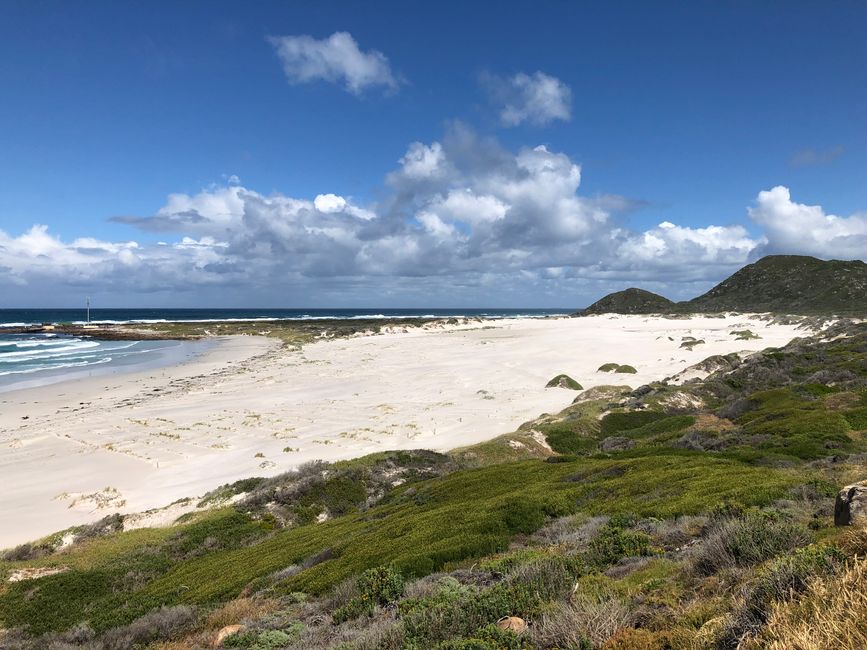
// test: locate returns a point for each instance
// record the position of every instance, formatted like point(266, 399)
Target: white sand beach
point(73, 452)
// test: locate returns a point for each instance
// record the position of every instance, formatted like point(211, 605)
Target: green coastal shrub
point(857, 418)
point(782, 579)
point(522, 516)
point(489, 637)
point(624, 421)
point(665, 425)
point(379, 586)
point(564, 381)
point(614, 542)
point(462, 614)
point(264, 639)
point(570, 437)
point(747, 540)
point(616, 367)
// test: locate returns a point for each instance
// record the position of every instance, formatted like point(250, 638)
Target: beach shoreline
point(250, 406)
point(169, 353)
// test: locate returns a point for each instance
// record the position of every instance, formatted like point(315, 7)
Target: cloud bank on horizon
point(463, 212)
point(461, 215)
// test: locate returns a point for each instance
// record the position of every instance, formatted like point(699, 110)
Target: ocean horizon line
point(10, 317)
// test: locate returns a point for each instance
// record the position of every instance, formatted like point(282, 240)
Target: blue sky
point(675, 113)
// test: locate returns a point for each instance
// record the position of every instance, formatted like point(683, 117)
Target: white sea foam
point(71, 347)
point(493, 314)
point(59, 366)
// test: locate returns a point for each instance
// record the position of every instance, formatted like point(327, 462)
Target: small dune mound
point(564, 381)
point(608, 393)
point(617, 367)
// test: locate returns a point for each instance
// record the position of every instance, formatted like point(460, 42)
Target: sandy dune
point(73, 452)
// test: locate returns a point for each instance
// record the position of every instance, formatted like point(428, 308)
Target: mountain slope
point(791, 283)
point(631, 301)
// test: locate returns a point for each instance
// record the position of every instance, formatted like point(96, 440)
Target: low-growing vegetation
point(618, 368)
point(564, 381)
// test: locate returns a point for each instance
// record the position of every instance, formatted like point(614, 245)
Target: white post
point(88, 308)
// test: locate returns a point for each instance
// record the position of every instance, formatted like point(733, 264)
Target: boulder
point(512, 624)
point(226, 632)
point(850, 508)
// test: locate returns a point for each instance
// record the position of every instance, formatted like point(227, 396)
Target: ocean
point(19, 317)
point(28, 360)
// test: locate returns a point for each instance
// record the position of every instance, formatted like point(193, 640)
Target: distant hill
point(793, 284)
point(790, 283)
point(631, 301)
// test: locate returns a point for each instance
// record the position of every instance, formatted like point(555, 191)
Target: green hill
point(631, 301)
point(793, 284)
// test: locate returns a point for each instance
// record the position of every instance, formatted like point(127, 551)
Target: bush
point(673, 424)
point(779, 581)
point(382, 634)
point(521, 516)
point(567, 437)
point(379, 586)
point(747, 540)
point(831, 614)
point(582, 624)
point(460, 613)
point(159, 625)
point(25, 553)
point(857, 418)
point(564, 381)
point(614, 543)
point(616, 367)
point(264, 639)
point(624, 421)
point(489, 637)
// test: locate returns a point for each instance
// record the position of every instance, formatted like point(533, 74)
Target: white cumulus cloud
point(459, 218)
point(337, 59)
point(536, 98)
point(807, 229)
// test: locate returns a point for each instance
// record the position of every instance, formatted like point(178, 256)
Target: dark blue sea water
point(35, 316)
point(36, 359)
